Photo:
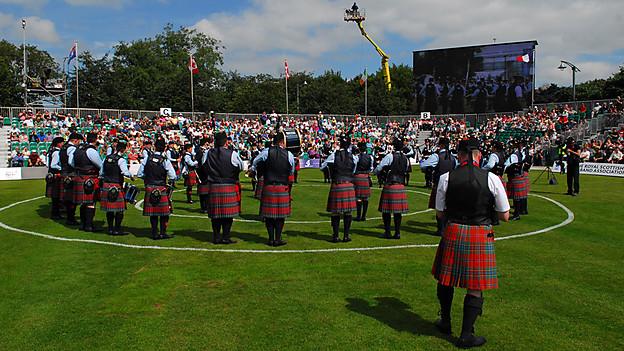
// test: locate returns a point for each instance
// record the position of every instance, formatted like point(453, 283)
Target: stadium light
point(565, 64)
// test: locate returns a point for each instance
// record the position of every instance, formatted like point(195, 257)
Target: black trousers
point(573, 177)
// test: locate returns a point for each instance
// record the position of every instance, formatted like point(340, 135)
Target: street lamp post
point(304, 84)
point(24, 72)
point(562, 67)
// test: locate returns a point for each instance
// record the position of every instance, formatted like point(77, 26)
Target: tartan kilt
point(393, 199)
point(466, 257)
point(291, 179)
point(224, 200)
point(67, 194)
point(162, 208)
point(118, 205)
point(341, 198)
point(54, 188)
point(79, 196)
point(203, 189)
point(190, 179)
point(361, 183)
point(432, 197)
point(275, 202)
point(259, 186)
point(518, 187)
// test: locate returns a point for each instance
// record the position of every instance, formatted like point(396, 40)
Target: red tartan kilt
point(432, 197)
point(291, 179)
point(518, 187)
point(275, 202)
point(259, 186)
point(466, 258)
point(79, 196)
point(118, 205)
point(203, 189)
point(66, 194)
point(190, 179)
point(224, 201)
point(54, 188)
point(341, 198)
point(162, 208)
point(393, 199)
point(361, 183)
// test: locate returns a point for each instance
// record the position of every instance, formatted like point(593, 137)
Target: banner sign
point(12, 173)
point(603, 169)
point(310, 163)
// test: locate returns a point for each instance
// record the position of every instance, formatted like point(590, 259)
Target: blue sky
point(259, 34)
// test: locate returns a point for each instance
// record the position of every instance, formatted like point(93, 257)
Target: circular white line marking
point(139, 206)
point(568, 220)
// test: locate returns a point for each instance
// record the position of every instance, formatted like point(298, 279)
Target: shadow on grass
point(420, 228)
point(309, 235)
point(396, 314)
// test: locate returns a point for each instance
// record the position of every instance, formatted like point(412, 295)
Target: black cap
point(362, 146)
point(220, 138)
point(57, 140)
point(160, 144)
point(397, 142)
point(345, 141)
point(148, 142)
point(468, 145)
point(188, 146)
point(444, 141)
point(75, 136)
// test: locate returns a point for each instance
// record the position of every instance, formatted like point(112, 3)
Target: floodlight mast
point(357, 15)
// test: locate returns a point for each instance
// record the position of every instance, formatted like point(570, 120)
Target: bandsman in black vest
point(189, 171)
point(409, 152)
point(574, 162)
point(258, 173)
point(362, 181)
point(112, 196)
point(173, 155)
point(54, 180)
point(223, 166)
point(203, 185)
point(68, 172)
point(155, 170)
point(275, 201)
point(147, 149)
point(393, 199)
point(518, 181)
point(341, 199)
point(440, 162)
point(87, 163)
point(467, 197)
point(496, 161)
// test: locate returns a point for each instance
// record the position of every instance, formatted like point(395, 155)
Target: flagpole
point(286, 76)
point(77, 89)
point(533, 85)
point(192, 93)
point(366, 93)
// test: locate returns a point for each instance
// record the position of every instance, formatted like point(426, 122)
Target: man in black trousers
point(574, 162)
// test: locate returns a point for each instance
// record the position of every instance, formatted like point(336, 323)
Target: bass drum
point(293, 141)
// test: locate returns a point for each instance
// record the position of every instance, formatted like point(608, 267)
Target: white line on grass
point(567, 221)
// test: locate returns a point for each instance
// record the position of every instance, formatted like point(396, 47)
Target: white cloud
point(37, 29)
point(100, 3)
point(258, 38)
point(30, 4)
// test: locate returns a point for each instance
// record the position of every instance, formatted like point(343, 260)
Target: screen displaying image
point(474, 79)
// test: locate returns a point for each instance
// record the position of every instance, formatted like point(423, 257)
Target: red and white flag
point(286, 71)
point(192, 65)
point(524, 58)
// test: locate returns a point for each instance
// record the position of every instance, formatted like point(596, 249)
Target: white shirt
point(501, 204)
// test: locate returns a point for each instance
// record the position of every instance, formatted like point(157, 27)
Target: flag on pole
point(72, 53)
point(524, 58)
point(363, 78)
point(192, 66)
point(286, 71)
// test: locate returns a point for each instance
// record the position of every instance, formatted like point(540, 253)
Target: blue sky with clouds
point(259, 34)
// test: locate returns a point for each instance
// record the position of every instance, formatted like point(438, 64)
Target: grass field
point(561, 290)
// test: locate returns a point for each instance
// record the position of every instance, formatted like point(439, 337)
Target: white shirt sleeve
point(440, 204)
point(501, 203)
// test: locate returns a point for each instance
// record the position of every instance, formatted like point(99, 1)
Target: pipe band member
point(518, 181)
point(203, 186)
point(362, 181)
point(155, 170)
point(68, 172)
point(223, 166)
point(87, 163)
point(467, 197)
point(54, 180)
point(393, 201)
point(189, 166)
point(341, 199)
point(275, 203)
point(112, 196)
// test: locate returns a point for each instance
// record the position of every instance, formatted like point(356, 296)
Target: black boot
point(517, 209)
point(227, 227)
point(216, 231)
point(55, 211)
point(397, 225)
point(270, 226)
point(473, 307)
point(118, 218)
point(364, 210)
point(359, 211)
point(347, 228)
point(83, 220)
point(154, 224)
point(189, 193)
point(445, 296)
point(203, 203)
point(279, 227)
point(335, 223)
point(386, 222)
point(110, 220)
point(525, 207)
point(164, 222)
point(71, 213)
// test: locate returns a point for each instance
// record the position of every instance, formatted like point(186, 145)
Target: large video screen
point(474, 79)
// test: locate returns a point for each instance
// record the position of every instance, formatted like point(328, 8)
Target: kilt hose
point(80, 197)
point(341, 198)
point(67, 194)
point(190, 179)
point(432, 196)
point(203, 189)
point(518, 187)
point(466, 257)
point(259, 186)
point(162, 208)
point(393, 199)
point(224, 201)
point(106, 205)
point(275, 202)
point(55, 187)
point(291, 179)
point(361, 183)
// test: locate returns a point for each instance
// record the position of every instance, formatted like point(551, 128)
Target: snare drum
point(293, 141)
point(130, 193)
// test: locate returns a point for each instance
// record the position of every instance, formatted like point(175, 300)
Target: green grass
point(559, 290)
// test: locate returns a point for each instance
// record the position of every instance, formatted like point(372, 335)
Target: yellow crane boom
point(384, 57)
